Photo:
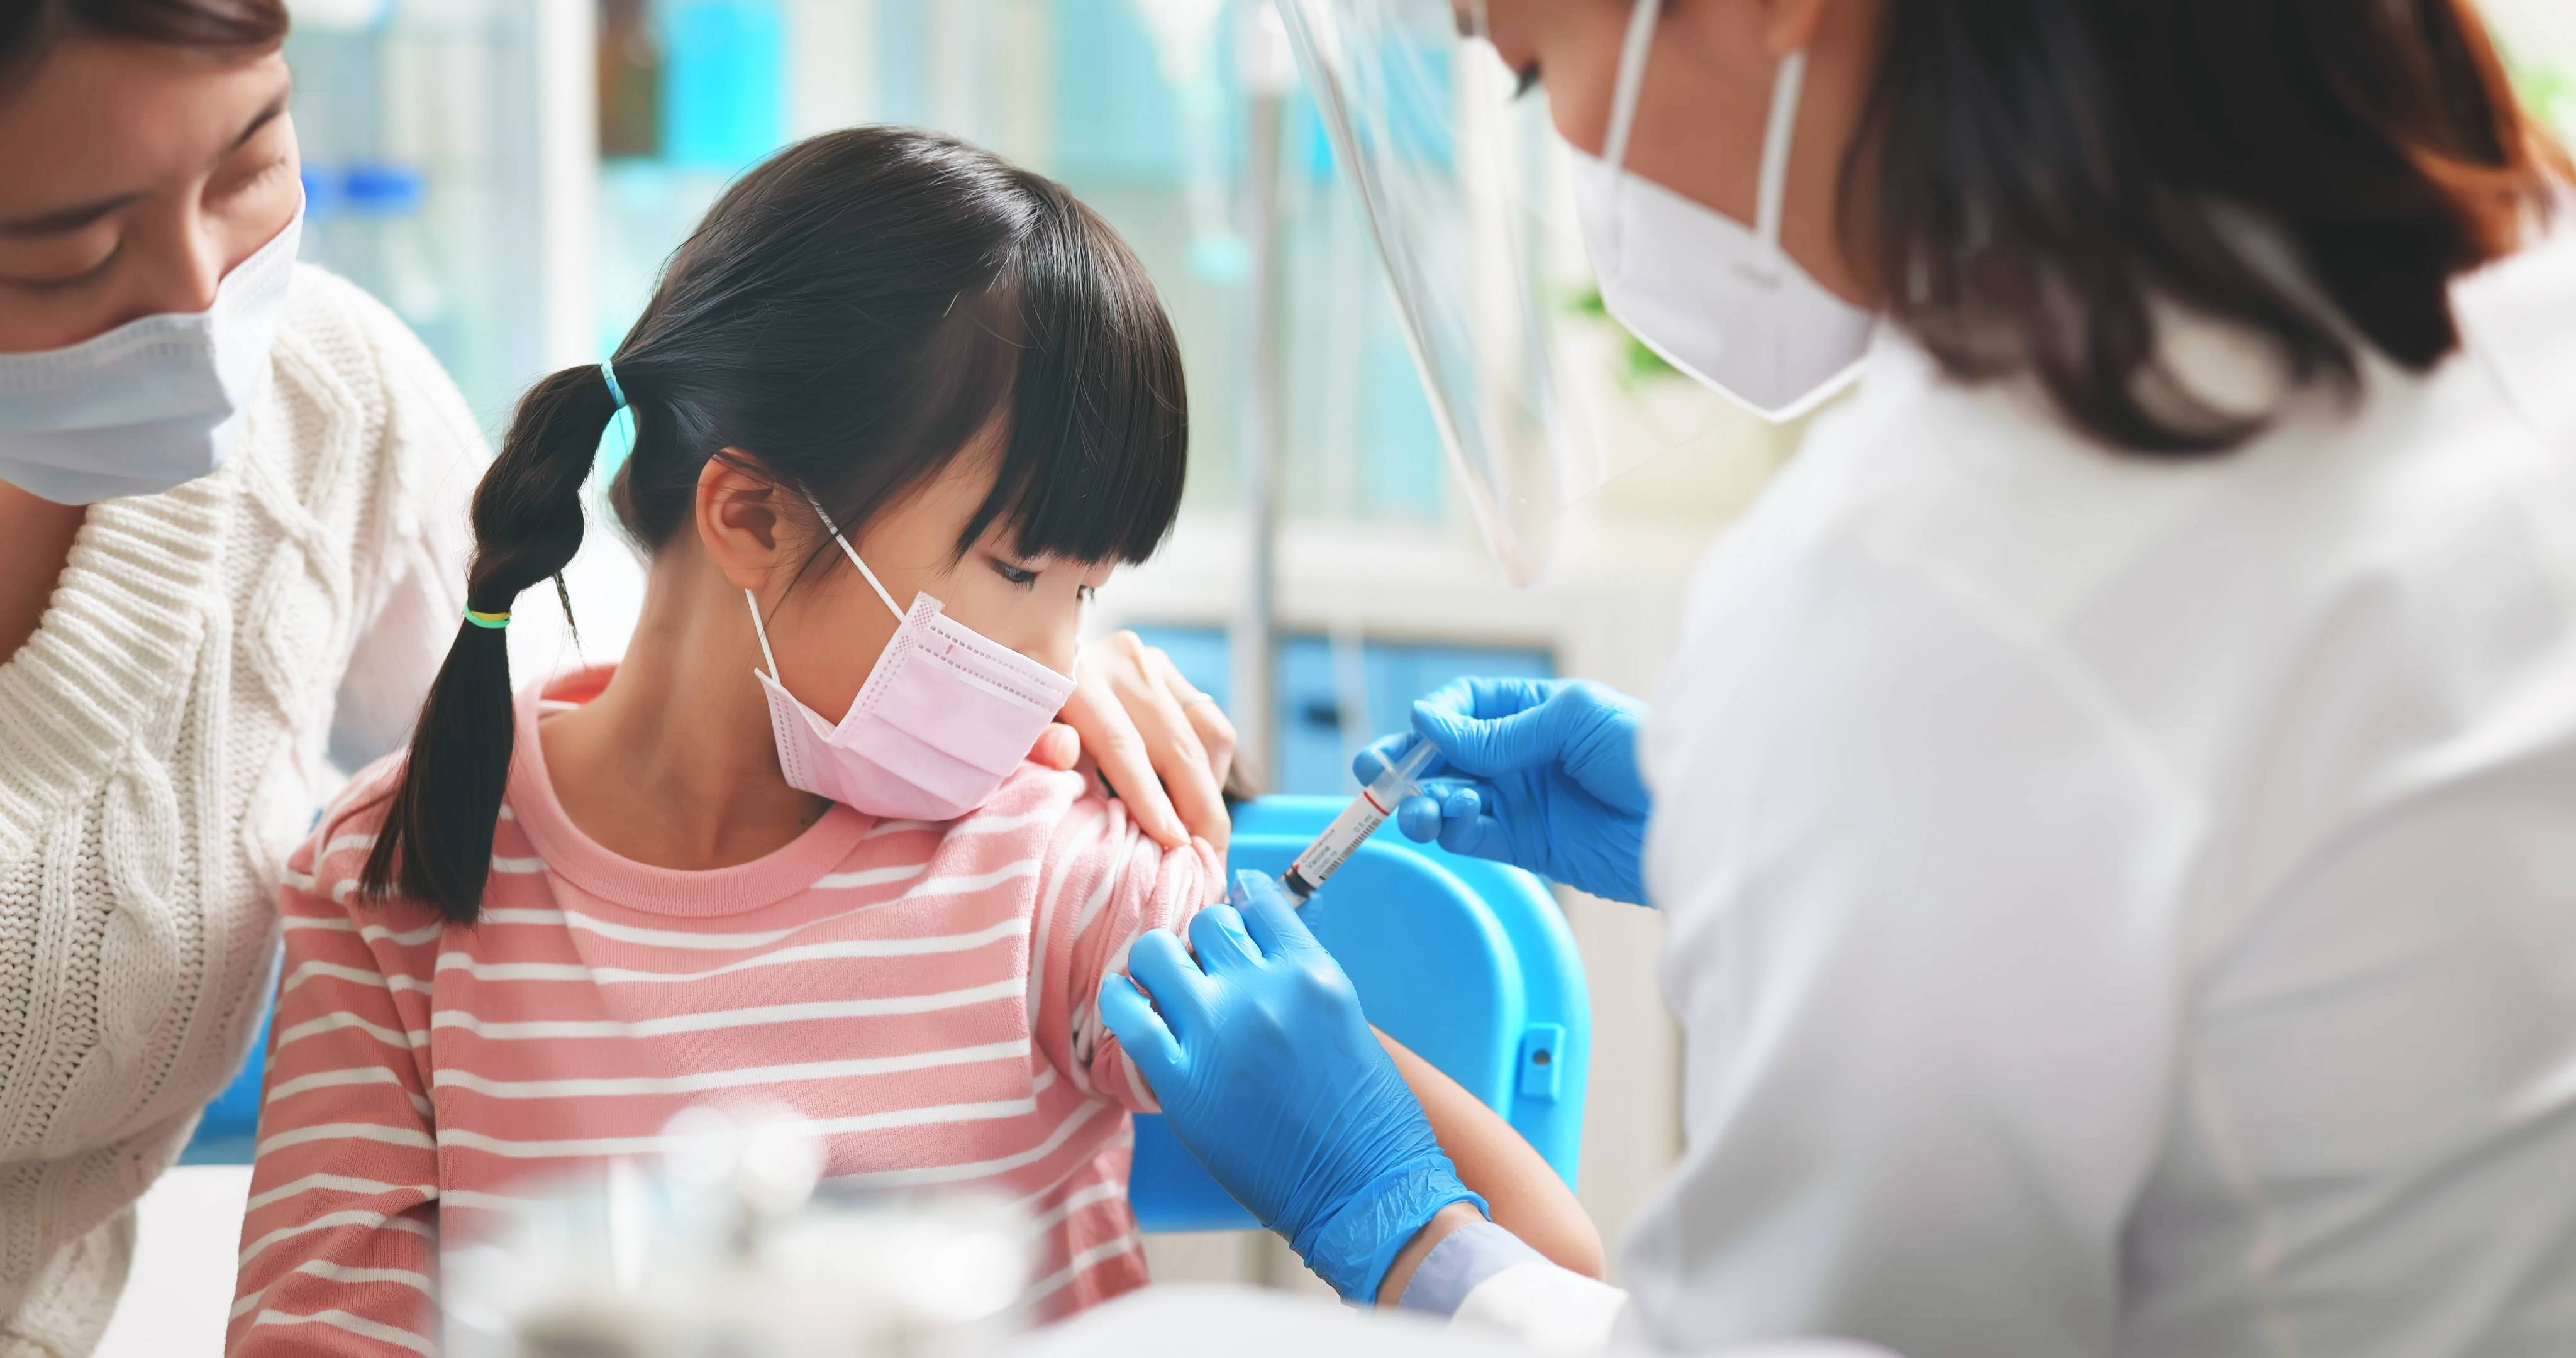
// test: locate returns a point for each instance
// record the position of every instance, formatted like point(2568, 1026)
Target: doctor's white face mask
point(1720, 302)
point(154, 403)
point(945, 716)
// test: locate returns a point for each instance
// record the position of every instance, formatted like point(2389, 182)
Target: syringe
point(1357, 822)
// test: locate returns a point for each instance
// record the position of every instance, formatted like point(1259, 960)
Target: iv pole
point(1269, 72)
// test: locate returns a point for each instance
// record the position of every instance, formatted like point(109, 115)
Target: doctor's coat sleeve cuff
point(1542, 1306)
point(1461, 1263)
point(1483, 1277)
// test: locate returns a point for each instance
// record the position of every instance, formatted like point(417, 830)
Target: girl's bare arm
point(1522, 1193)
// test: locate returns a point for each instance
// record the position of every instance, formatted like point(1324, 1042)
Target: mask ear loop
point(761, 629)
point(1773, 187)
point(1632, 80)
point(853, 554)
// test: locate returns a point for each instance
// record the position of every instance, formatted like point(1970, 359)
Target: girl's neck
point(673, 764)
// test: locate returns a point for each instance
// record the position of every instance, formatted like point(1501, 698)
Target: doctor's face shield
point(1436, 111)
point(1448, 165)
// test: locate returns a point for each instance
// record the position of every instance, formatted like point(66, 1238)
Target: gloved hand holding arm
point(1537, 773)
point(1267, 1071)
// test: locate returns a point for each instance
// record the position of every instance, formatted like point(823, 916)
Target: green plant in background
point(2549, 91)
point(1637, 363)
point(2552, 94)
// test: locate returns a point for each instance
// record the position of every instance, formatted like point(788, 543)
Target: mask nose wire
point(853, 554)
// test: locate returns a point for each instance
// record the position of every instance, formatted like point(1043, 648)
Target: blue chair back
point(1467, 962)
point(228, 1131)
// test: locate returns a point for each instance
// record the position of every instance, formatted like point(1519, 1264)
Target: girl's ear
point(740, 521)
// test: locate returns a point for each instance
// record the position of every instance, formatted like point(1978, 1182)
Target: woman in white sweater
point(232, 527)
point(209, 530)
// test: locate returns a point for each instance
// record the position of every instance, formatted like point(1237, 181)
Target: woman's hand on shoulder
point(1160, 744)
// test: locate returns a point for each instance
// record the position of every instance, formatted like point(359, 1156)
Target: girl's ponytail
point(436, 841)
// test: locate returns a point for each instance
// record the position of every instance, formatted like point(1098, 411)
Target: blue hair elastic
point(608, 374)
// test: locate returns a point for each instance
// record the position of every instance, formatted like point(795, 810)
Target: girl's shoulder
point(355, 812)
point(1063, 833)
point(1094, 847)
point(322, 877)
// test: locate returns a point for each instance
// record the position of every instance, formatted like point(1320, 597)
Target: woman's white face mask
point(154, 403)
point(1721, 302)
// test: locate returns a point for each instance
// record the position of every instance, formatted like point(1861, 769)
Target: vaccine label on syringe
point(1358, 821)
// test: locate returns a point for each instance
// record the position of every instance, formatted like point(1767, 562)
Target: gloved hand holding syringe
point(1349, 830)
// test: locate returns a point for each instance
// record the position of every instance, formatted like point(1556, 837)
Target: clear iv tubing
point(1357, 822)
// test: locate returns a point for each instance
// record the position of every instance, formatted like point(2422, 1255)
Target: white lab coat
point(2123, 907)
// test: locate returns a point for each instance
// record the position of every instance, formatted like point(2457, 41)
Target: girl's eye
point(1085, 593)
point(1016, 575)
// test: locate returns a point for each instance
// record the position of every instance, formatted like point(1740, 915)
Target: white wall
point(2541, 32)
point(179, 1290)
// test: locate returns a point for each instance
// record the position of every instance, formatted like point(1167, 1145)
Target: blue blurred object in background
point(1335, 695)
point(724, 82)
point(228, 1134)
point(382, 189)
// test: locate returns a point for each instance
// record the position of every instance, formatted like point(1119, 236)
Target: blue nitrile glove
point(1537, 773)
point(1267, 1071)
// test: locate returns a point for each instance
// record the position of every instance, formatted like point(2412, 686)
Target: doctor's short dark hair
point(849, 318)
point(28, 28)
point(2030, 175)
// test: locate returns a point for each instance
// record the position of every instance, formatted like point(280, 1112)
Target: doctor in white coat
point(2115, 796)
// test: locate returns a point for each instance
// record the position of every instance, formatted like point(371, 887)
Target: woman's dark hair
point(2031, 174)
point(844, 323)
point(29, 27)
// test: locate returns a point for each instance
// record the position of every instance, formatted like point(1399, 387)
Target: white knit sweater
point(162, 738)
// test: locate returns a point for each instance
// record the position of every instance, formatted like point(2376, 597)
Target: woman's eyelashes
point(68, 282)
point(1020, 576)
point(1085, 593)
point(246, 180)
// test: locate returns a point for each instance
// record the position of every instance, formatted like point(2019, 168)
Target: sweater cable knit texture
point(163, 737)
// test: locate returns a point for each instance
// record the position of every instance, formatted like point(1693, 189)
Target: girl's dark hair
point(29, 27)
point(2029, 174)
point(847, 319)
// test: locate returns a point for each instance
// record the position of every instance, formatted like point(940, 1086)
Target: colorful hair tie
point(493, 621)
point(608, 374)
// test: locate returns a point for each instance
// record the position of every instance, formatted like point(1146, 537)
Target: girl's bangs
point(1099, 414)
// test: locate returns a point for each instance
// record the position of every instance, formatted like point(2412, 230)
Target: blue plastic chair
point(228, 1132)
point(1468, 963)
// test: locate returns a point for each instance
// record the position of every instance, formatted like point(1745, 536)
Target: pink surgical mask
point(945, 716)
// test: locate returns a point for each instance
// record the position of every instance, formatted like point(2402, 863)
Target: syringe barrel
point(1358, 821)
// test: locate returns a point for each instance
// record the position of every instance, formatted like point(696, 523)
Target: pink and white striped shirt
point(921, 992)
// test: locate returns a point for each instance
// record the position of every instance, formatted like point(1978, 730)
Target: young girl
point(899, 409)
